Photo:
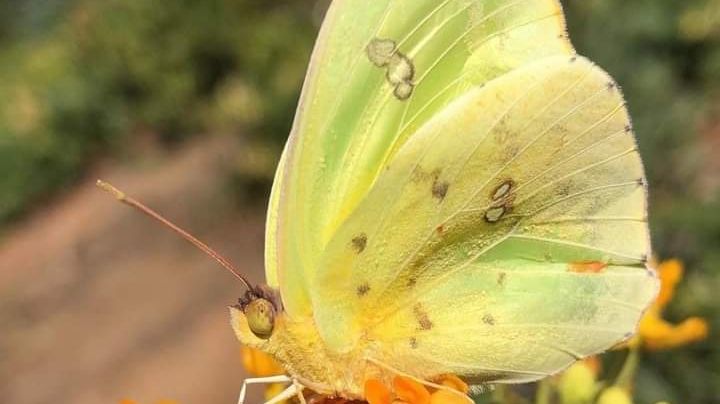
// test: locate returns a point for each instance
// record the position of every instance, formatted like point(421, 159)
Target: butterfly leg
point(293, 390)
point(421, 381)
point(300, 388)
point(260, 380)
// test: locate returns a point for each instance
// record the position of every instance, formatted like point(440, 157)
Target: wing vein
point(482, 21)
point(525, 148)
point(576, 172)
point(577, 245)
point(592, 219)
point(578, 153)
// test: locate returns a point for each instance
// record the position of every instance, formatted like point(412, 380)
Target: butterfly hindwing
point(513, 320)
point(380, 70)
point(514, 218)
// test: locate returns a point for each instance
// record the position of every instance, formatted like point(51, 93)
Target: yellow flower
point(614, 395)
point(654, 332)
point(577, 384)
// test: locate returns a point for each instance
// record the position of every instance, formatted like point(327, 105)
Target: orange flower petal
point(259, 363)
point(376, 392)
point(654, 332)
point(454, 383)
point(446, 397)
point(127, 401)
point(657, 334)
point(670, 273)
point(593, 363)
point(410, 391)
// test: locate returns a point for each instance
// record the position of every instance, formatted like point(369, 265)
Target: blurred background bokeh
point(186, 105)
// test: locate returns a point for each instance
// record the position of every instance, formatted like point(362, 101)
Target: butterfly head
point(259, 308)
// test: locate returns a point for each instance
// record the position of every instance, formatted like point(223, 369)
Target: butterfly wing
point(379, 71)
point(505, 239)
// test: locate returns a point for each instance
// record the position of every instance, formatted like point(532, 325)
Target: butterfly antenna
point(122, 197)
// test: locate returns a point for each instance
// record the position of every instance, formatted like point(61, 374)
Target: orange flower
point(405, 390)
point(260, 364)
point(409, 391)
point(128, 401)
point(376, 392)
point(654, 332)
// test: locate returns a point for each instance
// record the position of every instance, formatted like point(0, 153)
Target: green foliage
point(665, 55)
point(104, 72)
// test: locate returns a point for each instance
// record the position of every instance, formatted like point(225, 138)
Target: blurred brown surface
point(98, 303)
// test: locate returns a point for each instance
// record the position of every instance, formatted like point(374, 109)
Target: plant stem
point(626, 377)
point(542, 395)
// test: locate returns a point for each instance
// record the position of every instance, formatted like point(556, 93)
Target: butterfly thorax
point(298, 347)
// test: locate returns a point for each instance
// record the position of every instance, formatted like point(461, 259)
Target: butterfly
point(461, 194)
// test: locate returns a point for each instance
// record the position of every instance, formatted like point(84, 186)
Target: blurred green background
point(87, 84)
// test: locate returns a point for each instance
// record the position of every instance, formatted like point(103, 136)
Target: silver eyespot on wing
point(399, 69)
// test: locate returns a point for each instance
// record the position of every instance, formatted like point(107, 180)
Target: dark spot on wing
point(419, 175)
point(502, 190)
point(628, 128)
point(611, 85)
point(363, 289)
point(641, 182)
point(502, 198)
point(380, 51)
point(488, 319)
point(563, 189)
point(403, 90)
point(413, 343)
point(573, 58)
point(501, 278)
point(440, 189)
point(399, 69)
point(422, 317)
point(411, 281)
point(494, 214)
point(440, 229)
point(359, 242)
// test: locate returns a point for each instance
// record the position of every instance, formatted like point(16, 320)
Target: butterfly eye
point(260, 315)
